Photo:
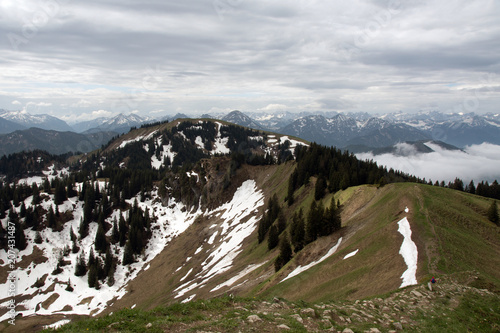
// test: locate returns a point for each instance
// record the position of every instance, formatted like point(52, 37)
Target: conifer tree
point(262, 228)
point(83, 229)
point(51, 219)
point(91, 257)
point(111, 276)
point(123, 230)
point(75, 248)
point(281, 222)
point(38, 237)
point(92, 278)
point(115, 233)
point(285, 254)
point(128, 254)
point(108, 262)
point(36, 195)
point(72, 235)
point(320, 187)
point(298, 231)
point(314, 221)
point(20, 238)
point(60, 193)
point(273, 239)
point(22, 212)
point(80, 267)
point(493, 213)
point(100, 239)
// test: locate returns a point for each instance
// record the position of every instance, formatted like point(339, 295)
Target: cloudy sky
point(83, 59)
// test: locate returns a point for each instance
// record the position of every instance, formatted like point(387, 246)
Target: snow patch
point(352, 254)
point(57, 324)
point(235, 278)
point(409, 253)
point(301, 269)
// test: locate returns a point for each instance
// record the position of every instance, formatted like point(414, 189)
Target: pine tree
point(69, 287)
point(128, 254)
point(20, 238)
point(285, 254)
point(273, 239)
point(108, 262)
point(123, 230)
point(59, 194)
point(115, 233)
point(92, 278)
point(75, 248)
point(22, 213)
point(83, 229)
point(298, 231)
point(100, 239)
point(72, 235)
point(281, 223)
point(319, 188)
point(51, 219)
point(111, 276)
point(493, 213)
point(262, 228)
point(38, 237)
point(91, 258)
point(80, 267)
point(314, 221)
point(36, 195)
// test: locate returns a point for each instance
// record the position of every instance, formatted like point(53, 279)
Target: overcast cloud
point(82, 58)
point(476, 162)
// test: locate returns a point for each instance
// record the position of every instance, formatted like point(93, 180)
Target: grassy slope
point(449, 228)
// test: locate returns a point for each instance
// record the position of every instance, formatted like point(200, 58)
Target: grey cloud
point(237, 53)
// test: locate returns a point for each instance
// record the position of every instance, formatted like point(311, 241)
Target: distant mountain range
point(354, 131)
point(54, 142)
point(376, 132)
point(121, 124)
point(25, 120)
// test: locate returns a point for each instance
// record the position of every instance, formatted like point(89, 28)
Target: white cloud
point(476, 162)
point(274, 107)
point(16, 102)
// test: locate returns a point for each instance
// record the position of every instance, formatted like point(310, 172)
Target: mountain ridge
point(199, 190)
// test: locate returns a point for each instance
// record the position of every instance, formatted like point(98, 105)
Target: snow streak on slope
point(220, 143)
point(352, 254)
point(409, 253)
point(235, 278)
point(301, 269)
point(239, 220)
